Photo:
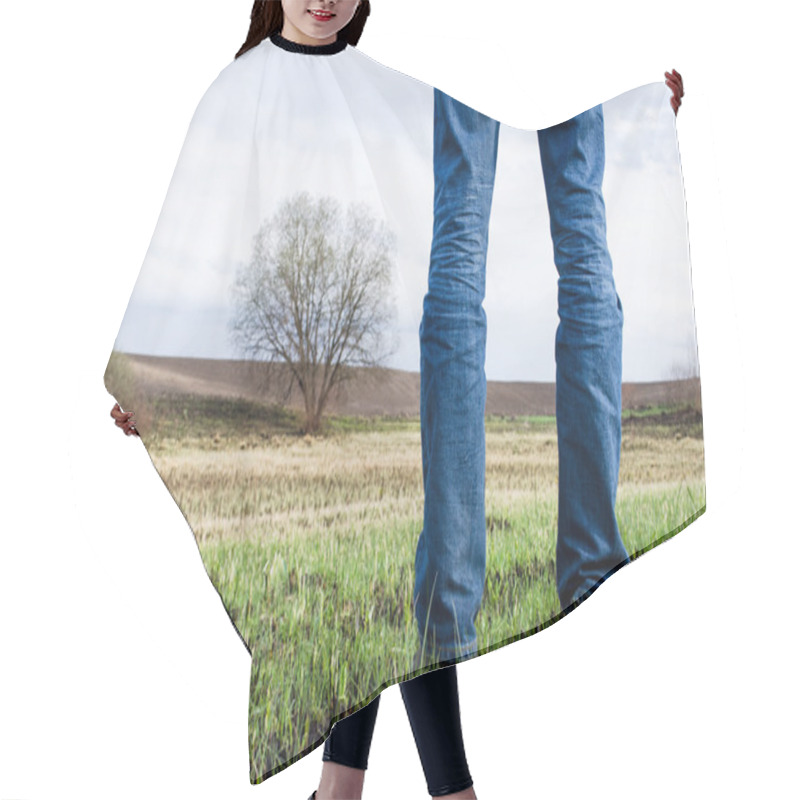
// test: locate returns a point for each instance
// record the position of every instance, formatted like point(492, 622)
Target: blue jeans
point(450, 562)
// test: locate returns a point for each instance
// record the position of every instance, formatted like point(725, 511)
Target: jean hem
point(444, 657)
point(343, 761)
point(450, 788)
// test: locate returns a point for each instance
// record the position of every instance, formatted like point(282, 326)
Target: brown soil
point(372, 390)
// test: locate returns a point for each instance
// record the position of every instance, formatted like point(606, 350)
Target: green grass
point(311, 541)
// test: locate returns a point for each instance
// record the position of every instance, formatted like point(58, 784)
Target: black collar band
point(308, 49)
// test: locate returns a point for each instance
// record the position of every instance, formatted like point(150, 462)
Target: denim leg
point(432, 704)
point(351, 738)
point(450, 559)
point(588, 356)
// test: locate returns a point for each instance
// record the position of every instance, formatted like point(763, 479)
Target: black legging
point(431, 701)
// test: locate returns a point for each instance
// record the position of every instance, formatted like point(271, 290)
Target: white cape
point(309, 539)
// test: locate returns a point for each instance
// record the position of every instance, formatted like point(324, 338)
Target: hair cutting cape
point(270, 351)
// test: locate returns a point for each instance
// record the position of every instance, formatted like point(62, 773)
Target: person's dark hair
point(266, 18)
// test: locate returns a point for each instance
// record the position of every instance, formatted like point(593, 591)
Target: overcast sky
point(274, 123)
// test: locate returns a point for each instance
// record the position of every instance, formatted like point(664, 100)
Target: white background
point(120, 674)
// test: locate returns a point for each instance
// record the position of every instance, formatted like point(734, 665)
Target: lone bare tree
point(316, 295)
